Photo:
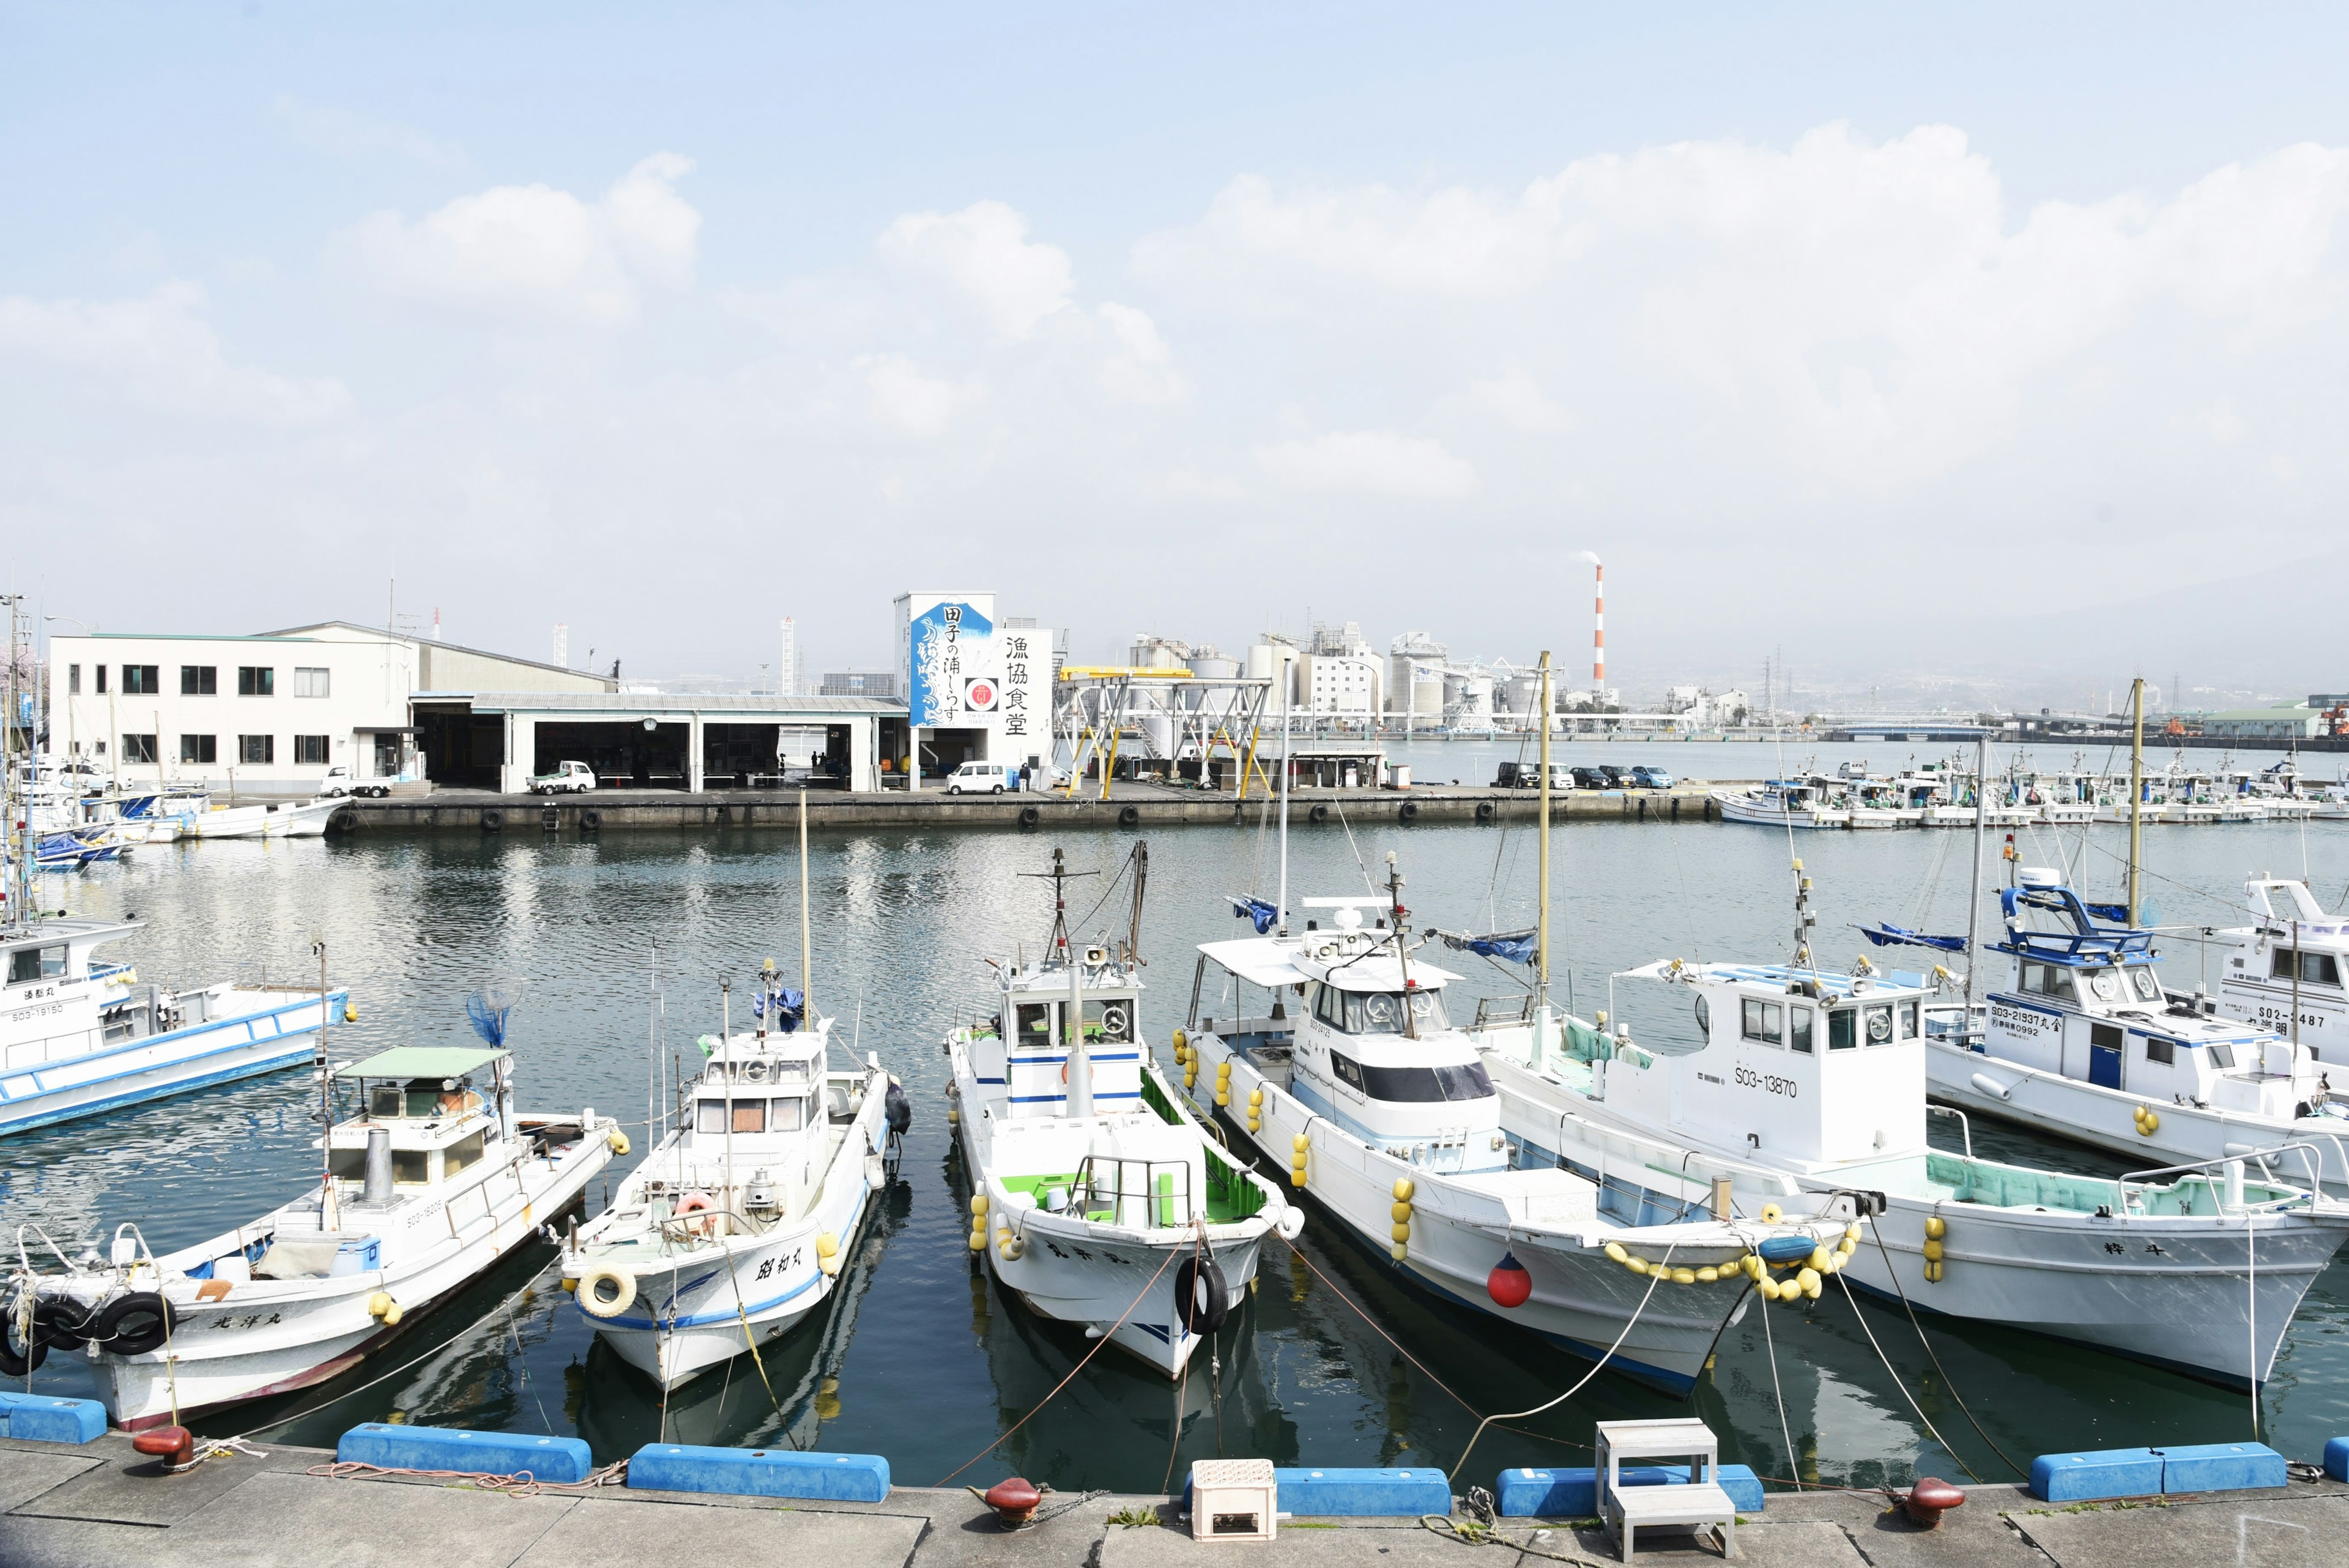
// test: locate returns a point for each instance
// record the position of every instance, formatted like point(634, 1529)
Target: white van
point(982, 778)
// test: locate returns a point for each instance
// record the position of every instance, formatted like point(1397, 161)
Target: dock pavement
point(101, 1505)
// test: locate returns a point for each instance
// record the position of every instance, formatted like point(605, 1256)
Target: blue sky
point(663, 322)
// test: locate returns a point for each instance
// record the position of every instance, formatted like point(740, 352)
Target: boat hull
point(265, 1040)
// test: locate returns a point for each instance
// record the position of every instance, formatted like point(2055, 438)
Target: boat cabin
point(1041, 1066)
point(1797, 1064)
point(419, 1116)
point(2084, 1002)
point(2286, 970)
point(59, 1002)
point(1371, 1045)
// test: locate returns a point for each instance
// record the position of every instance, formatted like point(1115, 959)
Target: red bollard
point(1014, 1502)
point(172, 1444)
point(1929, 1499)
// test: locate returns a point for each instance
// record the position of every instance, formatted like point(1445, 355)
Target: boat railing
point(2228, 1168)
point(24, 1259)
point(1494, 1010)
point(1160, 1209)
point(1651, 1158)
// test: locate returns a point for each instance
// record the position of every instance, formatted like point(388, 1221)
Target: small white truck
point(568, 778)
point(339, 782)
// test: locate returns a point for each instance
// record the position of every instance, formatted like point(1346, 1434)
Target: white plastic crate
point(1233, 1500)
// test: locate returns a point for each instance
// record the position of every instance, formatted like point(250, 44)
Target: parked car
point(1590, 778)
point(1527, 775)
point(339, 782)
point(1617, 778)
point(568, 778)
point(1645, 777)
point(982, 778)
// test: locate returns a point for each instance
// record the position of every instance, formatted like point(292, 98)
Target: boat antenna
point(1395, 919)
point(1060, 874)
point(652, 1048)
point(726, 1075)
point(2137, 790)
point(1982, 847)
point(329, 1212)
point(1140, 881)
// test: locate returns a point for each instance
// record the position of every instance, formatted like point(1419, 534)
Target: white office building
point(271, 713)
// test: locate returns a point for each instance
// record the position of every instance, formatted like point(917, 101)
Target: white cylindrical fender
point(1292, 1223)
point(1993, 1087)
point(592, 1284)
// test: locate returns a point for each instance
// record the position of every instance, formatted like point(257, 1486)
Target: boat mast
point(724, 1059)
point(1982, 847)
point(1284, 797)
point(1541, 920)
point(807, 1001)
point(2136, 789)
point(1401, 943)
point(330, 1216)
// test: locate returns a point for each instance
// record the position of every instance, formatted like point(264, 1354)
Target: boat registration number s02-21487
point(1747, 1078)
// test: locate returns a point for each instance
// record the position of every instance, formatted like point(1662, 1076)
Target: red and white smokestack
point(1598, 627)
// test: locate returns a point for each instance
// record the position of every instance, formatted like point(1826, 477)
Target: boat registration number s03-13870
point(1747, 1078)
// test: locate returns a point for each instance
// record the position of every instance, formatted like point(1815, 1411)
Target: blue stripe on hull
point(249, 1069)
point(294, 1047)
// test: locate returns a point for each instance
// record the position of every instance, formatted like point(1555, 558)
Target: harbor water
point(1333, 1361)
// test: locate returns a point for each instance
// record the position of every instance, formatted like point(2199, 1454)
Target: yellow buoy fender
point(1401, 1232)
point(1851, 1233)
point(606, 1291)
point(1400, 1213)
point(1819, 1261)
point(619, 1142)
point(1809, 1282)
point(1772, 1214)
point(1936, 1227)
point(1707, 1275)
point(1769, 1289)
point(1933, 1251)
point(1402, 1190)
point(979, 1203)
point(1683, 1276)
point(1182, 1045)
point(1614, 1252)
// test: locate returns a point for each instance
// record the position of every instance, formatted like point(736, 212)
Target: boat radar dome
point(2038, 877)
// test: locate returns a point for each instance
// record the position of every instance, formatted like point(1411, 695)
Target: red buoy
point(1929, 1499)
point(1508, 1284)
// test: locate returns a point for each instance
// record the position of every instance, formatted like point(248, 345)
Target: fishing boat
point(302, 819)
point(429, 1177)
point(737, 1226)
point(1097, 1199)
point(1385, 1118)
point(1808, 804)
point(2085, 1041)
point(78, 1037)
point(2283, 971)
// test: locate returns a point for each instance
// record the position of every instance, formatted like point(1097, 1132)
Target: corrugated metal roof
point(639, 703)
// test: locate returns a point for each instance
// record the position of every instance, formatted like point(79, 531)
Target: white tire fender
point(592, 1284)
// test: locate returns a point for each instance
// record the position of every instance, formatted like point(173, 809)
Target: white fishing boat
point(1807, 1084)
point(78, 1037)
point(302, 819)
point(2283, 971)
point(227, 822)
point(1387, 1119)
point(1097, 1199)
point(2083, 1041)
point(433, 1176)
point(736, 1227)
point(1807, 803)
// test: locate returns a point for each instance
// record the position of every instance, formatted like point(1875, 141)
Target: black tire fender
point(1201, 1299)
point(1407, 811)
point(1319, 814)
point(133, 1324)
point(492, 819)
point(20, 1361)
point(1484, 811)
point(591, 821)
point(1029, 817)
point(1127, 815)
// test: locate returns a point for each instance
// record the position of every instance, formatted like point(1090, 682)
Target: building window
point(199, 679)
point(256, 681)
point(199, 748)
point(308, 682)
point(252, 749)
point(73, 680)
point(101, 679)
point(143, 681)
point(310, 751)
point(138, 748)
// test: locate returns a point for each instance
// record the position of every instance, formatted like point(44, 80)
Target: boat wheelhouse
point(2285, 970)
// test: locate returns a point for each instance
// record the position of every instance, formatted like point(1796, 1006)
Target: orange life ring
point(698, 1203)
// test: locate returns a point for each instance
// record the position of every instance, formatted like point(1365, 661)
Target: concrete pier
point(103, 1506)
point(1141, 805)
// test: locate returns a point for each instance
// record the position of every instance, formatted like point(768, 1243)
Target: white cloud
point(906, 398)
point(543, 250)
point(1518, 400)
point(158, 352)
point(1379, 463)
point(344, 131)
point(1140, 369)
point(981, 259)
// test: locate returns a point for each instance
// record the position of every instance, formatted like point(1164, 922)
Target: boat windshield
point(1381, 1011)
point(1415, 1086)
